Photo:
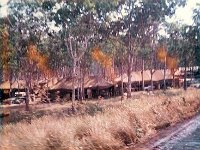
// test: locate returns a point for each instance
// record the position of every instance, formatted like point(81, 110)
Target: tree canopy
point(66, 35)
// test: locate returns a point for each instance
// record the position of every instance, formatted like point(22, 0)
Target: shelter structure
point(9, 88)
point(157, 78)
point(93, 87)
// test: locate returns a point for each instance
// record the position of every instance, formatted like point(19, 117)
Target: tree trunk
point(10, 82)
point(129, 59)
point(192, 73)
point(129, 77)
point(122, 83)
point(152, 72)
point(78, 91)
point(185, 76)
point(143, 74)
point(82, 90)
point(173, 84)
point(164, 80)
point(81, 85)
point(129, 84)
point(10, 91)
point(27, 99)
point(73, 83)
point(27, 94)
point(18, 84)
point(28, 80)
point(136, 63)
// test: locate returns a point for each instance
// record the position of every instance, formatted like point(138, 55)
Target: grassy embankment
point(106, 126)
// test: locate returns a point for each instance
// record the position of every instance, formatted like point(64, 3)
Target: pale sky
point(3, 9)
point(184, 15)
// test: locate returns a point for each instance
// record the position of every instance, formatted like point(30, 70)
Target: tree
point(162, 57)
point(144, 17)
point(196, 26)
point(188, 49)
point(182, 43)
point(23, 36)
point(120, 59)
point(5, 53)
point(172, 64)
point(82, 22)
point(65, 32)
point(175, 44)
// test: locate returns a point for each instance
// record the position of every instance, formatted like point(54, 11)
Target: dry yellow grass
point(119, 124)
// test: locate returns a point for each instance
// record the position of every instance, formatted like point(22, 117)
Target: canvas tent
point(9, 89)
point(15, 85)
point(92, 84)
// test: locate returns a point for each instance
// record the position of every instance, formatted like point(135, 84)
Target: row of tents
point(97, 85)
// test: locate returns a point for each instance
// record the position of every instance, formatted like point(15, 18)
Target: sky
point(184, 15)
point(3, 10)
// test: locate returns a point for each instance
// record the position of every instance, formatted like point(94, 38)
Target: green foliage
point(48, 5)
point(196, 19)
point(35, 21)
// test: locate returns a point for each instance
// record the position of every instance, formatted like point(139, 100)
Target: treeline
point(45, 38)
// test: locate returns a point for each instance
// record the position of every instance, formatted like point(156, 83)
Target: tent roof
point(65, 83)
point(94, 81)
point(89, 82)
point(147, 75)
point(48, 82)
point(15, 85)
point(168, 74)
point(137, 76)
point(158, 75)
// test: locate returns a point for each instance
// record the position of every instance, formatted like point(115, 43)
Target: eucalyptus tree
point(182, 43)
point(196, 19)
point(7, 63)
point(74, 34)
point(187, 54)
point(175, 46)
point(82, 23)
point(142, 18)
point(27, 26)
point(120, 60)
